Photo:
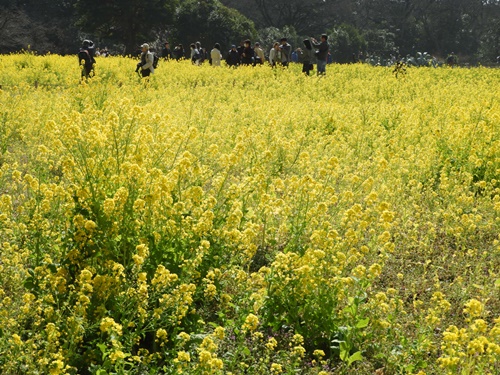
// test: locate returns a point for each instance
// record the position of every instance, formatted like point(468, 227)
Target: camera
point(139, 64)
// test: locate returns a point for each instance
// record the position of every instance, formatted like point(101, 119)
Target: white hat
point(145, 45)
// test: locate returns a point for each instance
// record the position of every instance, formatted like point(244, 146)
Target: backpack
point(84, 55)
point(156, 59)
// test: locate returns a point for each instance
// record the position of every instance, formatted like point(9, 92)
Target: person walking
point(322, 53)
point(147, 59)
point(86, 58)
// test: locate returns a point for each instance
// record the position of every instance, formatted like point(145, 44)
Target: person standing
point(195, 54)
point(233, 57)
point(179, 52)
point(307, 57)
point(248, 55)
point(259, 54)
point(86, 58)
point(286, 52)
point(147, 60)
point(202, 51)
point(322, 53)
point(215, 55)
point(166, 53)
point(275, 55)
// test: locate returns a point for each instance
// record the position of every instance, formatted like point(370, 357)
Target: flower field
point(248, 221)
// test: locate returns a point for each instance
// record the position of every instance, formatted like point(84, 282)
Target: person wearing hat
point(147, 60)
point(86, 58)
point(248, 55)
point(322, 53)
point(233, 57)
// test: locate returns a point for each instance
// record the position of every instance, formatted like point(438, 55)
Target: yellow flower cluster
point(351, 205)
point(478, 344)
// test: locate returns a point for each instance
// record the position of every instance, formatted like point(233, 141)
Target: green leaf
point(497, 283)
point(355, 357)
point(410, 368)
point(29, 283)
point(362, 323)
point(52, 267)
point(246, 351)
point(344, 351)
point(104, 350)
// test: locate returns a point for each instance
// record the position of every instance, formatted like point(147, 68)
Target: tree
point(346, 41)
point(210, 22)
point(129, 22)
point(44, 25)
point(269, 35)
point(306, 17)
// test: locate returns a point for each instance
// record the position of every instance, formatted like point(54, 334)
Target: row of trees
point(58, 26)
point(468, 27)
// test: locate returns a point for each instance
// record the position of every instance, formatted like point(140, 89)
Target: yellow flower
point(299, 351)
point(117, 355)
point(16, 339)
point(479, 325)
point(276, 368)
point(161, 334)
point(109, 325)
point(319, 353)
point(56, 367)
point(219, 333)
point(474, 308)
point(90, 226)
point(184, 336)
point(271, 343)
point(251, 323)
point(183, 356)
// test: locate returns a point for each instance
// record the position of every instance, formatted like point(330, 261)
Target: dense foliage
point(469, 28)
point(250, 220)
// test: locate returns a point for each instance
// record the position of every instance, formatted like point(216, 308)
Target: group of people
point(281, 54)
point(313, 51)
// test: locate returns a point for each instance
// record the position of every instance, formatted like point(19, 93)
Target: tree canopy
point(470, 28)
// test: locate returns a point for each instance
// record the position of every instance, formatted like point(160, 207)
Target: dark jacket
point(233, 58)
point(322, 48)
point(307, 52)
point(286, 52)
point(248, 56)
point(166, 53)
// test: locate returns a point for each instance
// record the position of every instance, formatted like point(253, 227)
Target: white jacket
point(149, 62)
point(216, 57)
point(274, 56)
